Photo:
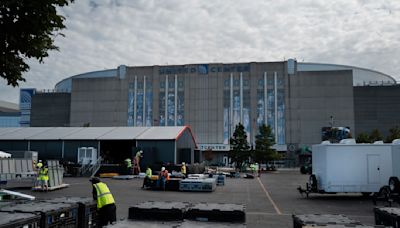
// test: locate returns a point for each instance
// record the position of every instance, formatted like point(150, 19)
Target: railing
point(96, 166)
point(89, 168)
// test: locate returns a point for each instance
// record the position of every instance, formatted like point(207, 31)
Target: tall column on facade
point(231, 124)
point(144, 102)
point(265, 99)
point(166, 101)
point(134, 101)
point(276, 104)
point(176, 98)
point(241, 98)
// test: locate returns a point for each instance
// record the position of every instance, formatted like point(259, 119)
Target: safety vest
point(104, 196)
point(43, 174)
point(148, 173)
point(183, 169)
point(128, 163)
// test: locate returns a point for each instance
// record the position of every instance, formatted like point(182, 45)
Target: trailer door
point(373, 168)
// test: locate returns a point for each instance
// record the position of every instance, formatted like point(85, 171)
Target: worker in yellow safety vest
point(147, 178)
point(183, 169)
point(128, 164)
point(105, 202)
point(44, 178)
point(38, 166)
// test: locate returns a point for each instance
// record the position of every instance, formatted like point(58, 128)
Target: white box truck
point(347, 167)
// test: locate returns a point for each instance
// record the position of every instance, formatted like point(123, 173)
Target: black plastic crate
point(168, 211)
point(52, 214)
point(388, 216)
point(322, 219)
point(19, 220)
point(87, 209)
point(217, 212)
point(173, 184)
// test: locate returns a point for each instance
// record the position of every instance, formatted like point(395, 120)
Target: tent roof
point(161, 133)
point(92, 133)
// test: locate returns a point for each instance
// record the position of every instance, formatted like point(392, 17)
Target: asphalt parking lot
point(270, 200)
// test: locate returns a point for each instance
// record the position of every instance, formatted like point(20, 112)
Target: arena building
point(9, 114)
point(296, 99)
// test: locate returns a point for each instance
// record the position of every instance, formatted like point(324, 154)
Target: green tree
point(375, 136)
point(28, 29)
point(363, 138)
point(240, 149)
point(394, 133)
point(264, 141)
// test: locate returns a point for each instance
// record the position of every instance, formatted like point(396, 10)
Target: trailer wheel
point(394, 185)
point(303, 170)
point(313, 183)
point(309, 170)
point(385, 194)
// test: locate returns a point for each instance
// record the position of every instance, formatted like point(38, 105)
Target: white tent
point(4, 155)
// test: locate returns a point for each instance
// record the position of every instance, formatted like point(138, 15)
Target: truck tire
point(394, 185)
point(303, 170)
point(309, 170)
point(313, 183)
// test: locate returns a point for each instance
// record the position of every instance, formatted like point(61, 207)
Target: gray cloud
point(105, 34)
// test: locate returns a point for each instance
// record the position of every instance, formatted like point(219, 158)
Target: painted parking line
point(269, 197)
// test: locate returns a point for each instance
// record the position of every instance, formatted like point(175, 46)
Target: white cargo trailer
point(348, 167)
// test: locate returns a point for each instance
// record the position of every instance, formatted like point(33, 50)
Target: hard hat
point(162, 168)
point(183, 163)
point(40, 160)
point(94, 180)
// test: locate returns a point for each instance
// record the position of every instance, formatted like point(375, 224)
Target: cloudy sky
point(103, 34)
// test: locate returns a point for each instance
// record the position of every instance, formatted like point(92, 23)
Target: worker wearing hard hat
point(128, 164)
point(105, 202)
point(38, 166)
point(147, 178)
point(163, 177)
point(183, 169)
point(44, 178)
point(138, 157)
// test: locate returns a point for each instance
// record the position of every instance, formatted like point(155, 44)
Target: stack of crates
point(52, 214)
point(19, 220)
point(221, 179)
point(198, 185)
point(168, 211)
point(388, 216)
point(315, 220)
point(217, 212)
point(87, 210)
